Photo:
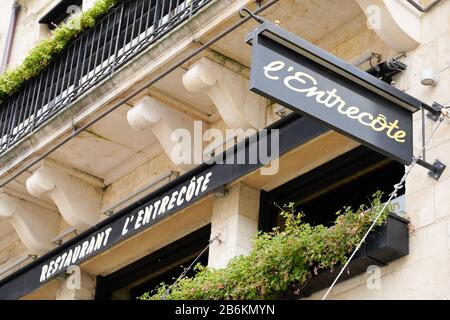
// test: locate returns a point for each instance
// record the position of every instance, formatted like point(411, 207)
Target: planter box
point(384, 244)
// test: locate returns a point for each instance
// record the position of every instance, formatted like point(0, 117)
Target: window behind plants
point(164, 265)
point(61, 13)
point(349, 180)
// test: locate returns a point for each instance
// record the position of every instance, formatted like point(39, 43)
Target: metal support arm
point(434, 111)
point(435, 170)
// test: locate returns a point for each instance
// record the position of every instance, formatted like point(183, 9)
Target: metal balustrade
point(126, 31)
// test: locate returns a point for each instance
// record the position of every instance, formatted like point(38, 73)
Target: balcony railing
point(127, 30)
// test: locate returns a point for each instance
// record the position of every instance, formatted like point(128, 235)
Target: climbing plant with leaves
point(281, 260)
point(47, 50)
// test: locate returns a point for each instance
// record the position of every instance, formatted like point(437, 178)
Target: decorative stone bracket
point(394, 22)
point(35, 225)
point(164, 122)
point(237, 105)
point(77, 199)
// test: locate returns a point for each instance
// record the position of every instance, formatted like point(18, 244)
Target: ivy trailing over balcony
point(43, 54)
point(281, 260)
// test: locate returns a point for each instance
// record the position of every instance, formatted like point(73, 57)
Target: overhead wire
point(77, 131)
point(397, 187)
point(189, 268)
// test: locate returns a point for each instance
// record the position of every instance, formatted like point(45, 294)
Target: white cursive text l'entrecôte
point(302, 82)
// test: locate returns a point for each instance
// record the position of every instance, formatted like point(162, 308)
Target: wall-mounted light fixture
point(428, 77)
point(387, 70)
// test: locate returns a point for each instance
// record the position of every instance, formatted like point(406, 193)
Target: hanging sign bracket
point(313, 83)
point(434, 111)
point(436, 169)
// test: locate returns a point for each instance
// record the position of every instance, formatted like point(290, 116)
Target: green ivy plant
point(281, 260)
point(43, 54)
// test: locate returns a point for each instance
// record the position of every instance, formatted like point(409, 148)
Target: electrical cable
point(123, 101)
point(186, 270)
point(397, 187)
point(251, 15)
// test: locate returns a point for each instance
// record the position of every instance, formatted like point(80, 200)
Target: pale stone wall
point(28, 31)
point(235, 221)
point(141, 175)
point(137, 179)
point(352, 39)
point(115, 191)
point(11, 250)
point(425, 272)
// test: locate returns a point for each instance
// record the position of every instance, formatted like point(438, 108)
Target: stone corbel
point(237, 105)
point(163, 122)
point(77, 197)
point(35, 225)
point(395, 22)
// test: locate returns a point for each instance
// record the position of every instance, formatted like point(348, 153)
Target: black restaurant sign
point(311, 82)
point(290, 71)
point(159, 205)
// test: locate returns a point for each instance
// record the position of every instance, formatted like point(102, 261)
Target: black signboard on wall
point(311, 82)
point(159, 205)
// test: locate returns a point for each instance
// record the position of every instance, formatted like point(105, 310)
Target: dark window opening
point(61, 13)
point(164, 265)
point(349, 180)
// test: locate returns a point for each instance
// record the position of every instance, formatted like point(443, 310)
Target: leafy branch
point(280, 260)
point(47, 50)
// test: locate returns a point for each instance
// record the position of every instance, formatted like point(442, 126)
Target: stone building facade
point(127, 157)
